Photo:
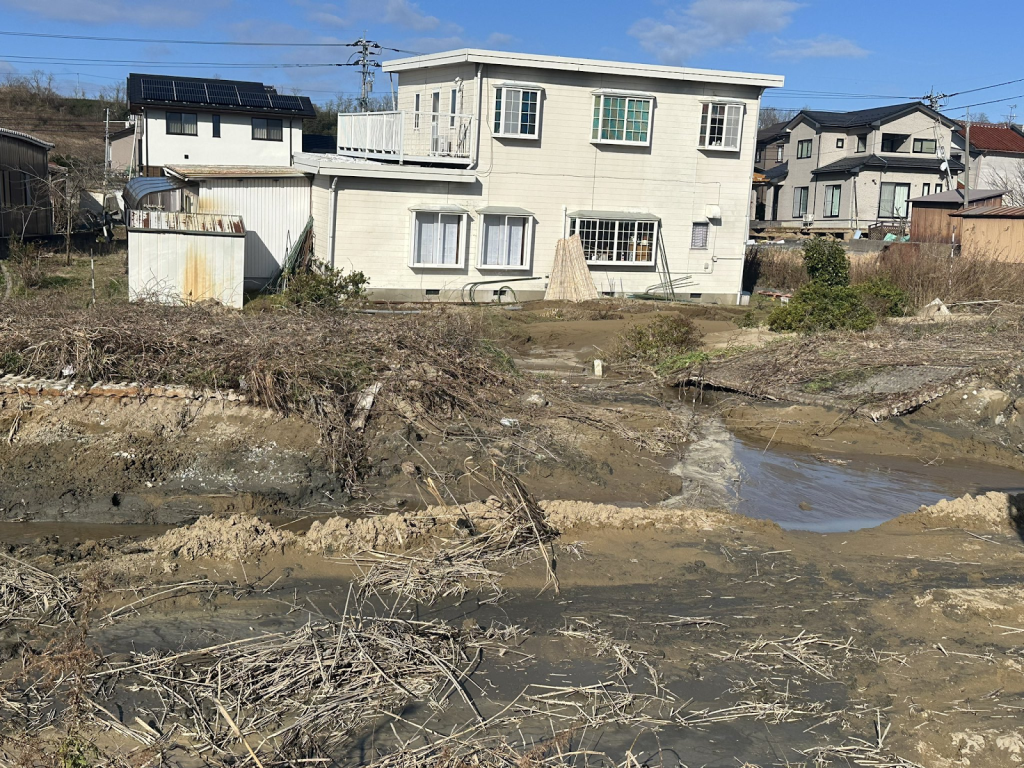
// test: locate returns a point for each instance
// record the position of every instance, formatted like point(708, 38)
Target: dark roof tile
point(896, 162)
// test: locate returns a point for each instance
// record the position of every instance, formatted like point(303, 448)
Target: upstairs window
point(781, 154)
point(893, 142)
point(616, 241)
point(925, 146)
point(216, 126)
point(505, 243)
point(438, 239)
point(182, 124)
point(416, 112)
point(804, 148)
point(699, 235)
point(267, 129)
point(622, 119)
point(840, 143)
point(516, 112)
point(862, 143)
point(721, 126)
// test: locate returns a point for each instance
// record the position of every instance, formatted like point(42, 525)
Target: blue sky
point(834, 55)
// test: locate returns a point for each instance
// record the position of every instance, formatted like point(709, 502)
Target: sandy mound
point(564, 515)
point(993, 602)
point(992, 510)
point(238, 537)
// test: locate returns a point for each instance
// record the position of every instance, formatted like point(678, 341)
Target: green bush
point(884, 297)
point(821, 307)
point(325, 287)
point(651, 343)
point(826, 262)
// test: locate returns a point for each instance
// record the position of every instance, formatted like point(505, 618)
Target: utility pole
point(967, 161)
point(106, 148)
point(366, 66)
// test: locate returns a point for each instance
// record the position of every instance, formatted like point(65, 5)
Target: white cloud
point(408, 15)
point(6, 68)
point(704, 25)
point(144, 12)
point(821, 47)
point(500, 40)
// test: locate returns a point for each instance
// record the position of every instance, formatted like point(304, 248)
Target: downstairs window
point(505, 242)
point(619, 241)
point(437, 239)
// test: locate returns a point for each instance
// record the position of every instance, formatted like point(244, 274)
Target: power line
point(164, 64)
point(981, 103)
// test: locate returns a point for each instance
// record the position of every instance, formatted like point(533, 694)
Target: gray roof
point(770, 133)
point(867, 117)
point(957, 196)
point(25, 137)
point(856, 163)
point(779, 171)
point(136, 189)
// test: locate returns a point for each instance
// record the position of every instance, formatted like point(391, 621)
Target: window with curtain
point(437, 239)
point(182, 124)
point(267, 129)
point(800, 202)
point(893, 201)
point(516, 112)
point(833, 197)
point(721, 126)
point(506, 241)
point(621, 119)
point(804, 149)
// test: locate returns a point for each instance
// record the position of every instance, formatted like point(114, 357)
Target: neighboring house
point(200, 121)
point(848, 170)
point(770, 160)
point(492, 157)
point(997, 155)
point(26, 209)
point(122, 150)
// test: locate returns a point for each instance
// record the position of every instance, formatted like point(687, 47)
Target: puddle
point(801, 492)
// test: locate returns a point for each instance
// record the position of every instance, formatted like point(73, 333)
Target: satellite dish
point(944, 167)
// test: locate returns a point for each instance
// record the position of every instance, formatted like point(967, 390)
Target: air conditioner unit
point(808, 219)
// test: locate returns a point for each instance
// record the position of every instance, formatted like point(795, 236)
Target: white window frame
point(574, 228)
point(498, 123)
point(806, 200)
point(833, 201)
point(599, 106)
point(731, 108)
point(416, 111)
point(460, 247)
point(527, 264)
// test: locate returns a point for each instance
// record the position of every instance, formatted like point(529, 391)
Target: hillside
point(74, 125)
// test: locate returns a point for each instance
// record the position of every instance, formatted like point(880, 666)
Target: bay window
point(516, 112)
point(616, 240)
point(720, 126)
point(622, 118)
point(438, 238)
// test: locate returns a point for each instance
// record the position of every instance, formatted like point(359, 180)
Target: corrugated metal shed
point(233, 171)
point(184, 258)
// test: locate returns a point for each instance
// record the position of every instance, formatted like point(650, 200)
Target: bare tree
point(1012, 181)
point(772, 115)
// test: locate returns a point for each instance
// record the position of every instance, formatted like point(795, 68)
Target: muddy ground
point(895, 645)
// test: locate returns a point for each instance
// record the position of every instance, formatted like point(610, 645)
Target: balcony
point(425, 137)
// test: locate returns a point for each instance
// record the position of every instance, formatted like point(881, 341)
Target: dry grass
point(314, 364)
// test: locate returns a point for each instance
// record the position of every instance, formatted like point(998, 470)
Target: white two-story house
point(204, 121)
point(490, 158)
point(850, 170)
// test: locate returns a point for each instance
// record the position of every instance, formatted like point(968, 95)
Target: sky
point(838, 56)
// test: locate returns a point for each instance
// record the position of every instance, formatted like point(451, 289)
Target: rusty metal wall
point(275, 212)
point(184, 267)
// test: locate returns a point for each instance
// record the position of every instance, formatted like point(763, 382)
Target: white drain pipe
point(332, 218)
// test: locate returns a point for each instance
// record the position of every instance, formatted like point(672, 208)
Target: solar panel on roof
point(192, 93)
point(254, 98)
point(221, 93)
point(282, 101)
point(157, 90)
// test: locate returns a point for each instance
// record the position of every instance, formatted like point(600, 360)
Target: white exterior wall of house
point(559, 172)
point(234, 147)
point(274, 210)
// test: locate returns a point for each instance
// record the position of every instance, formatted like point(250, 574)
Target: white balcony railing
point(405, 135)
